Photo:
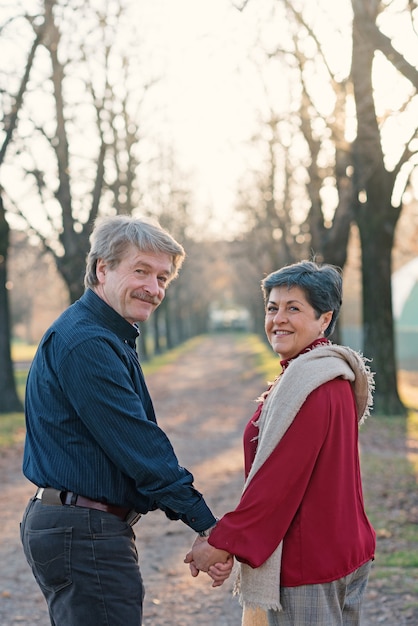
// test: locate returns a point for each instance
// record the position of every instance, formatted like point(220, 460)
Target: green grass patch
point(390, 484)
point(12, 425)
point(266, 363)
point(23, 351)
point(20, 377)
point(413, 424)
point(160, 360)
point(392, 579)
point(12, 429)
point(400, 558)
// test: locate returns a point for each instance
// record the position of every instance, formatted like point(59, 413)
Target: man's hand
point(204, 557)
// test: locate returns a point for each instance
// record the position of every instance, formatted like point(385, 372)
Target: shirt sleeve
point(260, 521)
point(98, 382)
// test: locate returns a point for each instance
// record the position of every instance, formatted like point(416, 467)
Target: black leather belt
point(47, 495)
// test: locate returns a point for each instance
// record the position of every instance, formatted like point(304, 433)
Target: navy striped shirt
point(91, 426)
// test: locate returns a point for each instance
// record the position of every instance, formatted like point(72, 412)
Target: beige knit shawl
point(259, 588)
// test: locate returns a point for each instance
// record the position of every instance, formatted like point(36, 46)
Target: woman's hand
point(204, 557)
point(221, 571)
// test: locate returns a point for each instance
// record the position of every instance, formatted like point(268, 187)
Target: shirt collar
point(314, 344)
point(108, 317)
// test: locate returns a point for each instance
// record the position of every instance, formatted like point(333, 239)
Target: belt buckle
point(50, 496)
point(132, 517)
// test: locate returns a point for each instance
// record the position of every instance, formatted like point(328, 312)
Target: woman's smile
point(291, 322)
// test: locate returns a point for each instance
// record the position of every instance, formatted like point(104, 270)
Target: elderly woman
point(300, 531)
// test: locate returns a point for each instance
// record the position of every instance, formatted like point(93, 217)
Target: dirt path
point(203, 402)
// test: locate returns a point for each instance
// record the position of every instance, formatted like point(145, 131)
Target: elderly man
point(93, 448)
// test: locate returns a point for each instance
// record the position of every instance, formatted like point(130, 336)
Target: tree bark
point(376, 218)
point(9, 400)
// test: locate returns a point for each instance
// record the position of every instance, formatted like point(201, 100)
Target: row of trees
point(367, 183)
point(72, 131)
point(84, 151)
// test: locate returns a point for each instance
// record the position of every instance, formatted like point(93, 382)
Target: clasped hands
point(205, 558)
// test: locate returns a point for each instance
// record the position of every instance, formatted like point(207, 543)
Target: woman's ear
point(326, 320)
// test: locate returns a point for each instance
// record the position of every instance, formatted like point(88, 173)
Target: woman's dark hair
point(322, 285)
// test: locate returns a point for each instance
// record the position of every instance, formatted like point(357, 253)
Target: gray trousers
point(331, 604)
point(86, 564)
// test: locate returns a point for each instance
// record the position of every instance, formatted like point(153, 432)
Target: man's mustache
point(145, 297)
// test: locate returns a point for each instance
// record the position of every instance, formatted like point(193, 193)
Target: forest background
point(258, 133)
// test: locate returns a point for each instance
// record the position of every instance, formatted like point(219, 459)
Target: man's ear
point(101, 269)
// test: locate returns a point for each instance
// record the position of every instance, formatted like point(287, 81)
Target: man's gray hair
point(112, 236)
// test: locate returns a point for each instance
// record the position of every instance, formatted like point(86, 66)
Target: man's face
point(136, 286)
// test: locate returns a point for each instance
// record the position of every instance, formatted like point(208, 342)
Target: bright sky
point(209, 101)
point(213, 94)
point(206, 100)
point(210, 91)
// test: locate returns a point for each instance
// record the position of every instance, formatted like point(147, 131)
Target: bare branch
point(18, 100)
point(370, 32)
point(242, 6)
point(30, 226)
point(407, 153)
point(301, 21)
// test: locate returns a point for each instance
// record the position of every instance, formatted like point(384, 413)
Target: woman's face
point(291, 323)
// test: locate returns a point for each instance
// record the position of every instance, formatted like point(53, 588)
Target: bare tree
point(89, 130)
point(84, 154)
point(9, 400)
point(364, 182)
point(37, 292)
point(376, 212)
point(306, 154)
point(185, 310)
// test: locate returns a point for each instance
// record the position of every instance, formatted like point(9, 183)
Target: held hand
point(193, 569)
point(203, 555)
point(189, 559)
point(221, 571)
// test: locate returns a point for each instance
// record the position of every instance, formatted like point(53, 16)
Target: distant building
point(231, 318)
point(405, 313)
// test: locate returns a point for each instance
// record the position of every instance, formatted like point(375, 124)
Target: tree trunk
point(9, 400)
point(379, 343)
point(376, 219)
point(170, 341)
point(157, 334)
point(142, 347)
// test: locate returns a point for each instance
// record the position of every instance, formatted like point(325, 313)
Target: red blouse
point(308, 493)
